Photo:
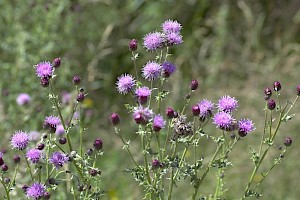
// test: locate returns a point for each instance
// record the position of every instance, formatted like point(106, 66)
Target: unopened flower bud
point(114, 119)
point(132, 45)
point(268, 93)
point(98, 144)
point(195, 110)
point(288, 141)
point(193, 84)
point(170, 112)
point(277, 86)
point(298, 90)
point(56, 63)
point(271, 104)
point(76, 80)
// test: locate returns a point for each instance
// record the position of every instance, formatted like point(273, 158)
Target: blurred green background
point(231, 47)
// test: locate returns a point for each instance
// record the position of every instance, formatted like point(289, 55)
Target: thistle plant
point(167, 134)
point(56, 158)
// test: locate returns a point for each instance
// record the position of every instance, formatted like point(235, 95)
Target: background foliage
point(230, 47)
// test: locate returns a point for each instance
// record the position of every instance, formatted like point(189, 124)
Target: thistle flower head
point(153, 41)
point(51, 123)
point(20, 140)
point(60, 131)
point(151, 71)
point(206, 108)
point(227, 104)
point(173, 39)
point(44, 69)
point(125, 83)
point(171, 26)
point(168, 69)
point(23, 99)
point(142, 94)
point(35, 191)
point(58, 159)
point(142, 115)
point(34, 155)
point(245, 126)
point(158, 123)
point(224, 121)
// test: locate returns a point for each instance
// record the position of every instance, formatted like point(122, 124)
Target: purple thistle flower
point(171, 26)
point(224, 121)
point(173, 39)
point(227, 104)
point(34, 135)
point(58, 159)
point(23, 99)
point(151, 70)
point(34, 155)
point(153, 41)
point(35, 191)
point(60, 131)
point(142, 115)
point(51, 123)
point(245, 126)
point(158, 123)
point(206, 108)
point(125, 83)
point(20, 140)
point(44, 69)
point(142, 94)
point(168, 69)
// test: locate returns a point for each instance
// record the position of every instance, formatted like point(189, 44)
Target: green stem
point(5, 188)
point(126, 146)
point(81, 130)
point(145, 159)
point(265, 128)
point(172, 174)
point(135, 66)
point(197, 186)
point(60, 115)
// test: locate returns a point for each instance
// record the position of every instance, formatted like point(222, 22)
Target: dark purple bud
point(89, 151)
point(288, 141)
point(271, 104)
point(194, 84)
point(47, 195)
point(93, 172)
point(80, 97)
point(155, 164)
point(76, 80)
point(242, 133)
point(24, 188)
point(138, 118)
point(56, 63)
point(4, 167)
point(195, 110)
point(44, 82)
point(98, 144)
point(132, 45)
point(62, 140)
point(6, 180)
point(40, 146)
point(268, 93)
point(277, 86)
point(298, 90)
point(1, 160)
point(114, 119)
point(170, 112)
point(52, 181)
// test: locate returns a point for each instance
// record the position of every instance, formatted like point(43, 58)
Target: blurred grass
point(231, 47)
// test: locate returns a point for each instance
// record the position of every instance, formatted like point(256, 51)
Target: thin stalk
point(81, 130)
point(28, 167)
point(135, 66)
point(145, 159)
point(126, 146)
point(5, 188)
point(172, 174)
point(205, 173)
point(265, 128)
